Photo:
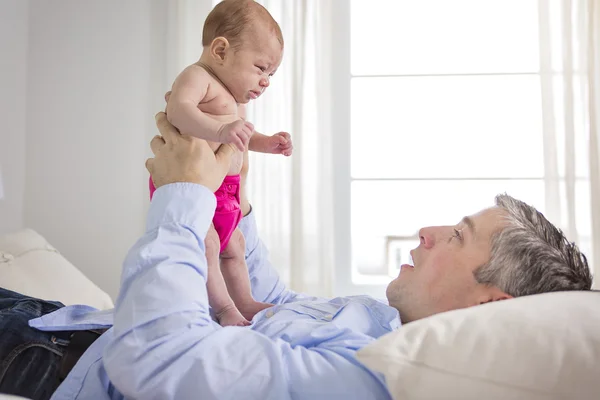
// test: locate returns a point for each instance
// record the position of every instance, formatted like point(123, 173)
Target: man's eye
point(263, 69)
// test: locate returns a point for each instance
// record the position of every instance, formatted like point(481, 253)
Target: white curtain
point(570, 68)
point(293, 196)
point(185, 20)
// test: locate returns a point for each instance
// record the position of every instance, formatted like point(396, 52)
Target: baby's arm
point(279, 143)
point(189, 89)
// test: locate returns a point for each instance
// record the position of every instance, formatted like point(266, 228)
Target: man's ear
point(492, 293)
point(219, 48)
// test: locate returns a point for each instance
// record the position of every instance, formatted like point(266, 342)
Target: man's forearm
point(179, 217)
point(266, 284)
point(163, 288)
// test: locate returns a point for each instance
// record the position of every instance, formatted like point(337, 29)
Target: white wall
point(96, 76)
point(13, 78)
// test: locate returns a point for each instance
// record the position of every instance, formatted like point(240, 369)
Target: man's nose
point(427, 236)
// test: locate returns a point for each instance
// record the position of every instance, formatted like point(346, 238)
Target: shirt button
point(269, 314)
point(328, 317)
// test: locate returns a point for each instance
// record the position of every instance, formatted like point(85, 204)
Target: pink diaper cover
point(228, 213)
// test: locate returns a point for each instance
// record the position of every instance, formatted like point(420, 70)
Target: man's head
point(502, 252)
point(244, 45)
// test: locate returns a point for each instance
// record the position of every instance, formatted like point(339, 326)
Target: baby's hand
point(237, 132)
point(280, 143)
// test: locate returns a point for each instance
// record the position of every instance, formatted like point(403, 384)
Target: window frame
point(345, 274)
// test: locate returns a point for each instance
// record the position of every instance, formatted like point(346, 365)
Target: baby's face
point(248, 70)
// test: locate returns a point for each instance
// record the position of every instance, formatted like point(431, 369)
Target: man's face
point(442, 276)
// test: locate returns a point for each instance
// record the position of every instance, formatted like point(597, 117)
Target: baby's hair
point(232, 19)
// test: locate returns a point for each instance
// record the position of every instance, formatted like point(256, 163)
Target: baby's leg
point(218, 297)
point(235, 272)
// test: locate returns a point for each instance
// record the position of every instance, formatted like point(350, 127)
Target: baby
point(243, 47)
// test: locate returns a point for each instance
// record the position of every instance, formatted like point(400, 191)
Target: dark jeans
point(29, 359)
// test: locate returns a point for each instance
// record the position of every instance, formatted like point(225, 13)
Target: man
point(163, 343)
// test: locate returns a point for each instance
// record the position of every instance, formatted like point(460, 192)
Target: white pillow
point(31, 266)
point(537, 347)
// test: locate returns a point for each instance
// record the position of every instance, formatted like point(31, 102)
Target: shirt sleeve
point(166, 346)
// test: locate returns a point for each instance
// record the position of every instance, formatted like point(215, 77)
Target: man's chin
point(399, 285)
point(391, 292)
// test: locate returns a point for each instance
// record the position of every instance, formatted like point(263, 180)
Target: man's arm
point(166, 346)
point(264, 279)
point(266, 284)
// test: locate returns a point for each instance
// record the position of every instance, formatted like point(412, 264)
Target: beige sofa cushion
point(31, 266)
point(537, 347)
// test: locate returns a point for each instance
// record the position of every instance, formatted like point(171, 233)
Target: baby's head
point(244, 46)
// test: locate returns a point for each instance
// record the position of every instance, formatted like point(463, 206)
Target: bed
point(531, 348)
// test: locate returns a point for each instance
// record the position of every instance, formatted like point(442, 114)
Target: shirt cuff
point(182, 203)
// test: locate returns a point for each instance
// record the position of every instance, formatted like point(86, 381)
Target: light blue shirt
point(163, 343)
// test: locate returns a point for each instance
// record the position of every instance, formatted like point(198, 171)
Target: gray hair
point(530, 255)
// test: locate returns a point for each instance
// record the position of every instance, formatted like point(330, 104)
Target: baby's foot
point(230, 316)
point(250, 309)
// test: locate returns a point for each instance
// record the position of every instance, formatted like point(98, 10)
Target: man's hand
point(182, 158)
point(237, 133)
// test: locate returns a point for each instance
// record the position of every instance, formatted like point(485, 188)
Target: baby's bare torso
point(220, 105)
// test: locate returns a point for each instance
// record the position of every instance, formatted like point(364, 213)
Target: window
point(444, 112)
